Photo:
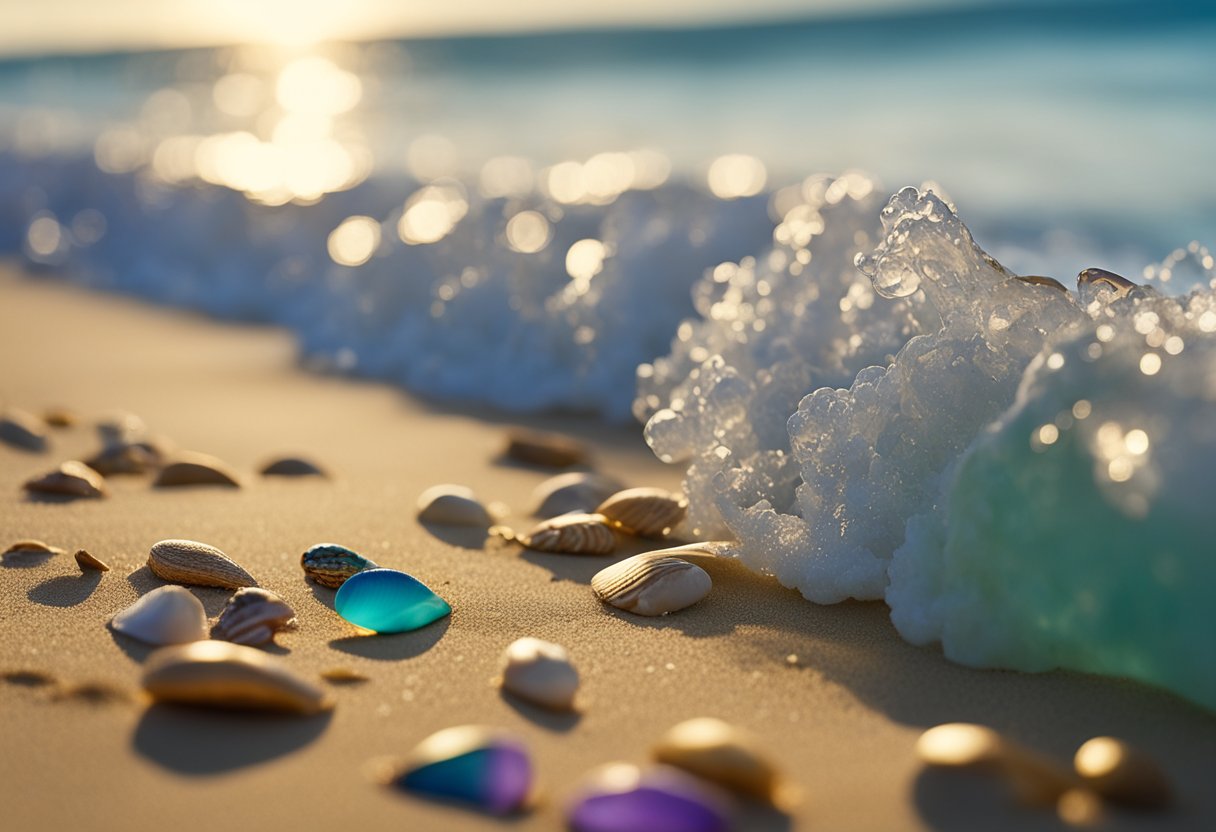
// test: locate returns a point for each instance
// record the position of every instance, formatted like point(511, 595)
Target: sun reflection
point(431, 214)
point(528, 232)
point(506, 176)
point(354, 241)
point(317, 85)
point(584, 260)
point(736, 175)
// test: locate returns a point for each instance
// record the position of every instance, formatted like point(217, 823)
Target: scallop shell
point(330, 564)
point(548, 450)
point(291, 466)
point(1038, 780)
point(452, 505)
point(252, 616)
point(485, 768)
point(168, 615)
point(728, 756)
point(88, 563)
point(71, 479)
point(540, 672)
point(575, 534)
point(620, 797)
point(23, 430)
point(645, 512)
point(576, 491)
point(196, 469)
point(651, 583)
point(219, 674)
point(190, 562)
point(1122, 774)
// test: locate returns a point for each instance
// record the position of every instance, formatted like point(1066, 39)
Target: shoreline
point(841, 721)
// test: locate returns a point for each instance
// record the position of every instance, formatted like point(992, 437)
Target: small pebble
point(540, 672)
point(452, 505)
point(1122, 774)
point(547, 450)
point(343, 676)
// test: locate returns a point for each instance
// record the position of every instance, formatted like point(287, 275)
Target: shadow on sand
point(65, 590)
point(391, 647)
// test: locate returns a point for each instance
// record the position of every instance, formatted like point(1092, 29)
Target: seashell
point(87, 562)
point(252, 616)
point(330, 564)
point(388, 601)
point(196, 469)
point(452, 505)
point(71, 479)
point(121, 429)
point(1091, 282)
point(1040, 280)
point(1037, 780)
point(620, 797)
point(548, 450)
point(123, 459)
point(342, 676)
point(728, 756)
point(190, 562)
point(645, 512)
point(219, 674)
point(651, 583)
point(60, 417)
point(540, 672)
point(290, 466)
point(1122, 774)
point(27, 553)
point(482, 767)
point(23, 430)
point(168, 615)
point(574, 534)
point(576, 491)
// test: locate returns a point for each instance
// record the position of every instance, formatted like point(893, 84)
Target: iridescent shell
point(167, 615)
point(645, 512)
point(540, 672)
point(190, 468)
point(574, 534)
point(252, 616)
point(548, 450)
point(71, 479)
point(577, 491)
point(651, 583)
point(388, 601)
point(620, 797)
point(191, 562)
point(330, 564)
point(1122, 774)
point(728, 756)
point(452, 505)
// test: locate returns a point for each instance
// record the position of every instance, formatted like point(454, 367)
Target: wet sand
point(841, 720)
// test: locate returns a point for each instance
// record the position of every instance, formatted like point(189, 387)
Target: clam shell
point(1122, 774)
point(191, 562)
point(23, 430)
point(452, 505)
point(88, 562)
point(485, 768)
point(1040, 280)
point(388, 601)
point(60, 417)
point(574, 534)
point(196, 469)
point(651, 583)
point(620, 797)
point(1038, 780)
point(645, 512)
point(32, 547)
point(71, 479)
point(576, 491)
point(219, 674)
point(548, 450)
point(124, 458)
point(330, 564)
point(540, 672)
point(252, 616)
point(290, 466)
point(723, 754)
point(168, 615)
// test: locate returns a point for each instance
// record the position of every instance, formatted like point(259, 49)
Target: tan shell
point(728, 756)
point(167, 615)
point(196, 469)
point(342, 676)
point(252, 616)
point(133, 458)
point(1040, 280)
point(60, 417)
point(190, 562)
point(71, 479)
point(540, 672)
point(645, 512)
point(32, 547)
point(88, 563)
point(452, 505)
point(651, 584)
point(23, 430)
point(574, 534)
point(1038, 780)
point(549, 450)
point(219, 674)
point(1122, 774)
point(575, 491)
point(290, 466)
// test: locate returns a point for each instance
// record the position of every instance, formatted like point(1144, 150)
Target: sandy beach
point(840, 719)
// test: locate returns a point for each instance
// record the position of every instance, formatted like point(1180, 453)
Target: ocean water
point(695, 229)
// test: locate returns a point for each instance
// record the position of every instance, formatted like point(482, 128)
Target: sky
point(47, 26)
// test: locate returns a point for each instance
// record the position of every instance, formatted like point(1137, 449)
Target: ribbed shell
point(651, 584)
point(71, 479)
point(574, 534)
point(191, 562)
point(252, 616)
point(645, 512)
point(330, 564)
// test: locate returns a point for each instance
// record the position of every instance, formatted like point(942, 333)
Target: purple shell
point(487, 769)
point(622, 798)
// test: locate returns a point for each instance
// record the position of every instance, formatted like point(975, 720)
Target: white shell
point(651, 583)
point(573, 534)
point(168, 615)
point(452, 505)
point(576, 491)
point(540, 672)
point(252, 616)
